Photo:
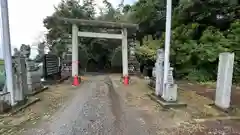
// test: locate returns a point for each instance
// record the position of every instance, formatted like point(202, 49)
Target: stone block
point(170, 94)
point(165, 104)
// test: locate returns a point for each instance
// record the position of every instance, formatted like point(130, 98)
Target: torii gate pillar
point(125, 56)
point(74, 50)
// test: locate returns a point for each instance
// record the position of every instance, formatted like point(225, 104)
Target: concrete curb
point(10, 126)
point(4, 115)
point(63, 79)
point(38, 91)
point(16, 110)
point(150, 87)
point(217, 119)
point(25, 106)
point(54, 82)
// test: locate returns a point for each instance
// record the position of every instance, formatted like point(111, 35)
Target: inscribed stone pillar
point(159, 72)
point(224, 80)
point(170, 90)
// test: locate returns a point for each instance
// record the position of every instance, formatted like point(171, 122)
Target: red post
point(126, 80)
point(75, 81)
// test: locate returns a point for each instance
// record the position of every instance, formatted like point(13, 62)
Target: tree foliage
point(200, 31)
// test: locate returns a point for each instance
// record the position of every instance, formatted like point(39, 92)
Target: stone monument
point(159, 72)
point(224, 80)
point(19, 80)
point(165, 94)
point(169, 92)
point(33, 74)
point(16, 52)
point(20, 77)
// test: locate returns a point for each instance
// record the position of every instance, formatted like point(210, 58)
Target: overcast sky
point(26, 17)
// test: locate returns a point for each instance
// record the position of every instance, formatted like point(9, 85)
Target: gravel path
point(94, 110)
point(99, 109)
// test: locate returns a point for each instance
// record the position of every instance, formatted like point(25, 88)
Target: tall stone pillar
point(224, 80)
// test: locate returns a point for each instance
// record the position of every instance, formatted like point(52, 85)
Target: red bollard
point(75, 81)
point(125, 80)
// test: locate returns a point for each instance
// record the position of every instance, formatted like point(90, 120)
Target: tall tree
point(58, 31)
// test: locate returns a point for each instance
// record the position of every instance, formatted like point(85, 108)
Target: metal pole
point(6, 44)
point(167, 41)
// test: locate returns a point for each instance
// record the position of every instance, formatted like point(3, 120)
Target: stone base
point(227, 110)
point(166, 104)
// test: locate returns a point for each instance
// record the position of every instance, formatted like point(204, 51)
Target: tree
point(57, 30)
point(200, 31)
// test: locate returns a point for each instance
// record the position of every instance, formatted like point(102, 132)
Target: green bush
point(198, 75)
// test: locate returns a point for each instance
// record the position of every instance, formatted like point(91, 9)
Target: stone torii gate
point(102, 24)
